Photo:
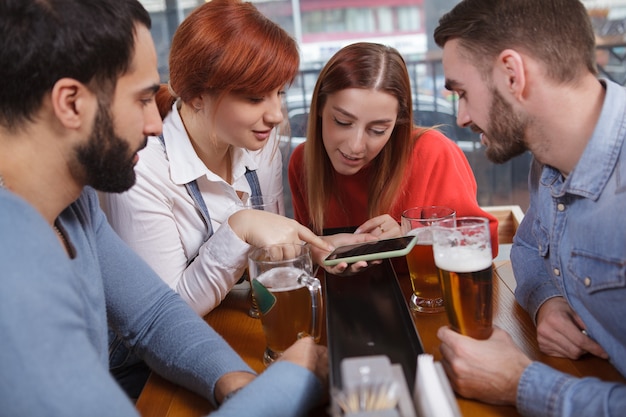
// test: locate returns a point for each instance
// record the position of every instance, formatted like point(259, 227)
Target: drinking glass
point(266, 203)
point(427, 296)
point(261, 202)
point(288, 296)
point(462, 252)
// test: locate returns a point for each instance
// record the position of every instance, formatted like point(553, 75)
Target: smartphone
point(369, 251)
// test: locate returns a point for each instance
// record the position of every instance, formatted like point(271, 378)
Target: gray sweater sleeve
point(172, 339)
point(284, 389)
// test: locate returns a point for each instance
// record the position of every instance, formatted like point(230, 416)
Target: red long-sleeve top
point(438, 174)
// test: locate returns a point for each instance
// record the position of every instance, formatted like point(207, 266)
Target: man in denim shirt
point(524, 71)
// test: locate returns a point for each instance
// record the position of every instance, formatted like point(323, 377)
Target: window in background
point(385, 17)
point(409, 19)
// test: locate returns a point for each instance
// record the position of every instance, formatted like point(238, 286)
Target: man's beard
point(106, 160)
point(506, 131)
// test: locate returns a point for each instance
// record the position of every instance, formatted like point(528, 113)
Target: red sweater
point(437, 174)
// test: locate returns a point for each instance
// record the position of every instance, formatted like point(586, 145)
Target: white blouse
point(159, 220)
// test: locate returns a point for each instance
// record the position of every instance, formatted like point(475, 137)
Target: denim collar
point(593, 170)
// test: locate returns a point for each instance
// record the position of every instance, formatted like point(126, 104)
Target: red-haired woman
point(228, 67)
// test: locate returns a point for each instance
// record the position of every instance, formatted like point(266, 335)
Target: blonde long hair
point(368, 66)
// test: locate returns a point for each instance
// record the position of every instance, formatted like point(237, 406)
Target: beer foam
point(462, 258)
point(284, 278)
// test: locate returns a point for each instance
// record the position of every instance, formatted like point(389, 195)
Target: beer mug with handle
point(288, 296)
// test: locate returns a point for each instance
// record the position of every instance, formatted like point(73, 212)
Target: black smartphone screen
point(368, 248)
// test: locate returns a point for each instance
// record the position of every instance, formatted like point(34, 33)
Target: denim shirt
point(572, 243)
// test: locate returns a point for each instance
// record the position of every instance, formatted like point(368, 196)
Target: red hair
point(228, 46)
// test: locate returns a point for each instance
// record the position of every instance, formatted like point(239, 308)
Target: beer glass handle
point(317, 307)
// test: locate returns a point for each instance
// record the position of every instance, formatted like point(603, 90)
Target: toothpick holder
point(373, 386)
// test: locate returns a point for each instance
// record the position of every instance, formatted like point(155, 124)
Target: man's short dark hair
point(42, 41)
point(555, 32)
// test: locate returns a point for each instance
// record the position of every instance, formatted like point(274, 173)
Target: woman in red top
point(368, 161)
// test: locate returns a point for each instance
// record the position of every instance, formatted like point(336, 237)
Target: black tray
point(366, 314)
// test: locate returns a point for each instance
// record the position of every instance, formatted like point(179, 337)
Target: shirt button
point(557, 272)
point(587, 281)
point(560, 207)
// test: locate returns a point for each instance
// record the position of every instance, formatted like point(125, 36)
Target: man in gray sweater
point(77, 102)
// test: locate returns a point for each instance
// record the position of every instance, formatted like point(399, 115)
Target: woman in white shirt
point(229, 66)
point(222, 111)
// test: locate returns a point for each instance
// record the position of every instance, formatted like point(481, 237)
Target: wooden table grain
point(161, 398)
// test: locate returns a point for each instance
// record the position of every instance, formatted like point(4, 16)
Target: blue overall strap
point(196, 196)
point(194, 192)
point(253, 181)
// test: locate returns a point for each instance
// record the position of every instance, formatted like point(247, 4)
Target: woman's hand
point(382, 227)
point(341, 239)
point(261, 228)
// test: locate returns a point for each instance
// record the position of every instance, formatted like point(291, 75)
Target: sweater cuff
point(283, 389)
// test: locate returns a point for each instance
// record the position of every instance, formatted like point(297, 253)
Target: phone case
point(373, 256)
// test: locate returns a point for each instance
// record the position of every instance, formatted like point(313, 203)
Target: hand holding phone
point(373, 250)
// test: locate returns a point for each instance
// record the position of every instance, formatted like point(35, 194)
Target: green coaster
point(264, 298)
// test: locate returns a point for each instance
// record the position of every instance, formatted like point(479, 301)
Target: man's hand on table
point(487, 370)
point(304, 352)
point(308, 354)
point(560, 331)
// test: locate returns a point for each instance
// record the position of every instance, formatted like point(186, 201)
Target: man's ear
point(511, 70)
point(71, 102)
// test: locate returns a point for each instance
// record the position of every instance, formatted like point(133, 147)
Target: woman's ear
point(197, 104)
point(72, 102)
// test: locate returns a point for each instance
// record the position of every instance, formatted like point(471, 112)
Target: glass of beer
point(427, 296)
point(462, 251)
point(266, 203)
point(288, 296)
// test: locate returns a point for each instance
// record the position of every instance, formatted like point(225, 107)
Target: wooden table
point(161, 398)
